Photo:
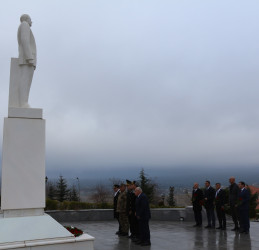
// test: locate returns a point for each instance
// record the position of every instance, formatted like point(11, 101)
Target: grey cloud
point(143, 83)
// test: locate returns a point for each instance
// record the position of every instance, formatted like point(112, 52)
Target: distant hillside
point(178, 177)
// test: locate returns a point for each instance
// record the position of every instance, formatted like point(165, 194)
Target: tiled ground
point(172, 235)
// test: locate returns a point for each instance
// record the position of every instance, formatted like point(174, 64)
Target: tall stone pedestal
point(23, 167)
point(23, 224)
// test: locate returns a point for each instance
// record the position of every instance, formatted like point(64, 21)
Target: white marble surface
point(40, 232)
point(23, 164)
point(30, 113)
point(14, 88)
point(9, 213)
point(31, 228)
point(27, 60)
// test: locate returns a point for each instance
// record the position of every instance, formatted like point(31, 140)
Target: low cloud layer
point(142, 83)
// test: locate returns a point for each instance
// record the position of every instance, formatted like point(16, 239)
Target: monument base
point(40, 233)
point(23, 165)
point(29, 113)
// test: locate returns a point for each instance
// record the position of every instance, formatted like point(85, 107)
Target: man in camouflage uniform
point(122, 210)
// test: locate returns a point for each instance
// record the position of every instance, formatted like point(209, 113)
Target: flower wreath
point(74, 230)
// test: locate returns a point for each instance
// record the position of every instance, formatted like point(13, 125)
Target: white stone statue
point(22, 68)
point(27, 59)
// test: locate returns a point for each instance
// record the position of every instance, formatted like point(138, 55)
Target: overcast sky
point(145, 83)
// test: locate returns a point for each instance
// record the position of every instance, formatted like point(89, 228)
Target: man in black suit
point(220, 201)
point(197, 200)
point(233, 199)
point(209, 196)
point(243, 207)
point(116, 189)
point(143, 215)
point(131, 209)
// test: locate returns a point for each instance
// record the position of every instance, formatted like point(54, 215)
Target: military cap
point(128, 182)
point(116, 186)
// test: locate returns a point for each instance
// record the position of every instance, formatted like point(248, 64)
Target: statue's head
point(26, 18)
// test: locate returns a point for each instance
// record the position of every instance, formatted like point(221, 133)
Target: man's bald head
point(26, 18)
point(232, 180)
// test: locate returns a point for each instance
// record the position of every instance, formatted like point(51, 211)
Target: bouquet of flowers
point(239, 202)
point(74, 230)
point(194, 197)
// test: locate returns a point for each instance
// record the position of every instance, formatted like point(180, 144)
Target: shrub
point(51, 204)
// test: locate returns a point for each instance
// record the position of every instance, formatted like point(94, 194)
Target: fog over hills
point(178, 177)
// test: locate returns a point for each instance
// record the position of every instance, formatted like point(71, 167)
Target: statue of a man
point(27, 59)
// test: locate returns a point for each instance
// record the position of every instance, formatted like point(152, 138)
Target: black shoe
point(223, 228)
point(138, 242)
point(196, 225)
point(123, 234)
point(218, 227)
point(208, 226)
point(145, 244)
point(118, 232)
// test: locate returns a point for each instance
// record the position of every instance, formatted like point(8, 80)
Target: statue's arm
point(25, 41)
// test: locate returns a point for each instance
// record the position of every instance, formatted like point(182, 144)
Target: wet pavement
point(172, 235)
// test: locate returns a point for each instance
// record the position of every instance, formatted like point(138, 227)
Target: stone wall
point(159, 214)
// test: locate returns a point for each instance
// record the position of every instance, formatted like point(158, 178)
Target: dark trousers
point(144, 233)
point(133, 221)
point(210, 216)
point(116, 216)
point(234, 214)
point(244, 220)
point(221, 217)
point(197, 216)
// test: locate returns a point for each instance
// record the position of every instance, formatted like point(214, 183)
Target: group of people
point(131, 209)
point(211, 198)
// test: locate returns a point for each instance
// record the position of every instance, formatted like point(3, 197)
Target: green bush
point(51, 204)
point(64, 205)
point(75, 205)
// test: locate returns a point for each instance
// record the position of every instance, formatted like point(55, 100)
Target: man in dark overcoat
point(209, 196)
point(116, 189)
point(243, 208)
point(143, 215)
point(220, 201)
point(233, 199)
point(131, 209)
point(197, 200)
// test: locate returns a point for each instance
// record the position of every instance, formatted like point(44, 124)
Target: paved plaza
point(172, 235)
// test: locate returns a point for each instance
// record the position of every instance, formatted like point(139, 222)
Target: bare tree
point(100, 194)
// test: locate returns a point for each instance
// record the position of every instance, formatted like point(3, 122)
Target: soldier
point(122, 210)
point(116, 189)
point(131, 209)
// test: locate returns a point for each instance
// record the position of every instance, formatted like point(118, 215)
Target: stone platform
point(172, 235)
point(39, 233)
